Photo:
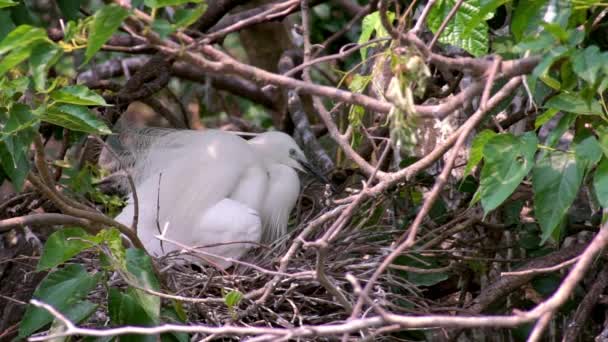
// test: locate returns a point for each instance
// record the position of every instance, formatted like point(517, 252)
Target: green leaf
point(42, 58)
point(476, 42)
point(602, 132)
point(69, 8)
point(587, 63)
point(14, 58)
point(78, 95)
point(486, 12)
point(162, 27)
point(233, 298)
point(556, 133)
point(20, 119)
point(125, 310)
point(600, 182)
point(139, 265)
point(477, 149)
point(105, 22)
point(16, 167)
point(22, 36)
point(8, 3)
point(17, 136)
point(424, 262)
point(529, 16)
point(548, 59)
point(62, 289)
point(76, 118)
point(556, 179)
point(185, 17)
point(62, 245)
point(371, 23)
point(164, 3)
point(507, 160)
point(571, 103)
point(6, 23)
point(545, 117)
point(587, 149)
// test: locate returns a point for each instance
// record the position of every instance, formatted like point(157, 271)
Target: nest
point(296, 297)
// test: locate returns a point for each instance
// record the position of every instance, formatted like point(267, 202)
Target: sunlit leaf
point(76, 118)
point(8, 3)
point(22, 36)
point(78, 95)
point(371, 24)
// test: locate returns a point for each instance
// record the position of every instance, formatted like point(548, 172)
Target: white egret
point(215, 189)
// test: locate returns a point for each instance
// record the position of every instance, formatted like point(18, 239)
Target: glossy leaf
point(78, 95)
point(476, 42)
point(76, 118)
point(62, 245)
point(62, 289)
point(477, 149)
point(507, 160)
point(22, 36)
point(556, 180)
point(105, 22)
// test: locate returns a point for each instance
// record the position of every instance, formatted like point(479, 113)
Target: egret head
point(280, 148)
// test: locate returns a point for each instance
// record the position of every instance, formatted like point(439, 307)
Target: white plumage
point(215, 188)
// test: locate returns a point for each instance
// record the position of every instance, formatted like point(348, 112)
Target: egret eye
point(292, 152)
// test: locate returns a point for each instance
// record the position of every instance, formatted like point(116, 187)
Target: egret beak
point(310, 169)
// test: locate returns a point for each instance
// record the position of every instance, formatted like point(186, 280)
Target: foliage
point(561, 156)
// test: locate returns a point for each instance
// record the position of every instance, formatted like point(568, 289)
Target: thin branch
point(471, 123)
point(44, 219)
point(542, 270)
